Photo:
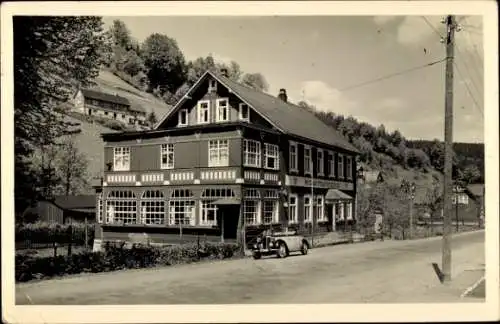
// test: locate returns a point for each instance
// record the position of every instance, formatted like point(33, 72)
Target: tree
point(151, 119)
point(306, 106)
point(72, 167)
point(255, 81)
point(132, 63)
point(165, 64)
point(52, 54)
point(470, 174)
point(120, 34)
point(396, 138)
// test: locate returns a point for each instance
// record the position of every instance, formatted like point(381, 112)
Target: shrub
point(48, 233)
point(114, 124)
point(117, 256)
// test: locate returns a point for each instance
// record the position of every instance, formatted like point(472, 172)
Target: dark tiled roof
point(93, 94)
point(137, 108)
point(476, 189)
point(75, 202)
point(288, 117)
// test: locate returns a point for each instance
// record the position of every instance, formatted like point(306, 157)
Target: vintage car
point(279, 243)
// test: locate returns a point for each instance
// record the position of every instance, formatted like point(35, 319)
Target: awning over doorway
point(335, 195)
point(227, 201)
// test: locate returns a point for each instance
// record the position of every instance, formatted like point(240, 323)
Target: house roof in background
point(476, 189)
point(77, 202)
point(137, 108)
point(99, 95)
point(285, 116)
point(371, 176)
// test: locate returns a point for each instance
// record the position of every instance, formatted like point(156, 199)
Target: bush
point(114, 124)
point(117, 257)
point(48, 233)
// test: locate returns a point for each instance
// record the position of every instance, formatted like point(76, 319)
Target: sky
point(323, 60)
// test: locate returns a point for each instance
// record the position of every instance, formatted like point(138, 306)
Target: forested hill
point(468, 156)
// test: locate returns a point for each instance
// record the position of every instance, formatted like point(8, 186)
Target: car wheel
point(257, 255)
point(282, 251)
point(304, 248)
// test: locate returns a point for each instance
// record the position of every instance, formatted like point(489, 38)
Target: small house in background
point(368, 178)
point(64, 209)
point(92, 102)
point(467, 204)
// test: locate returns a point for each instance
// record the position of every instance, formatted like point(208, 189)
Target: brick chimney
point(282, 95)
point(223, 71)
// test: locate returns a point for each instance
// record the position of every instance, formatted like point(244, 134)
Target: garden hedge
point(117, 257)
point(48, 233)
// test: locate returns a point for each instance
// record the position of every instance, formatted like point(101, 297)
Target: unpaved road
point(390, 271)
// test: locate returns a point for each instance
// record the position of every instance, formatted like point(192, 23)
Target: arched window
point(208, 208)
point(181, 207)
point(152, 207)
point(121, 207)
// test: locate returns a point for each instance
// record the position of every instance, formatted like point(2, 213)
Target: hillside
point(108, 82)
point(89, 141)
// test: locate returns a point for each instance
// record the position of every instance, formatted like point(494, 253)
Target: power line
point(468, 39)
point(468, 90)
point(432, 27)
point(388, 76)
point(467, 68)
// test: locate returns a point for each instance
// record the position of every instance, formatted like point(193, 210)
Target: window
point(181, 207)
point(339, 211)
point(251, 207)
point(222, 110)
point(251, 152)
point(293, 157)
point(121, 207)
point(331, 164)
point(307, 160)
point(349, 210)
point(271, 156)
point(348, 162)
point(462, 199)
point(293, 209)
point(319, 208)
point(183, 117)
point(123, 116)
point(307, 209)
point(208, 208)
point(121, 158)
point(218, 153)
point(270, 207)
point(244, 112)
point(203, 112)
point(99, 208)
point(212, 85)
point(167, 156)
point(320, 162)
point(340, 166)
point(152, 207)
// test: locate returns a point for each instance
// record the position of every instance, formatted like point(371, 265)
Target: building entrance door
point(228, 216)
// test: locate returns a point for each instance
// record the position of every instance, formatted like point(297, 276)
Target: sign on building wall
point(318, 183)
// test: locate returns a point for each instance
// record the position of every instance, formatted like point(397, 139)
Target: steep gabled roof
point(93, 94)
point(476, 189)
point(286, 117)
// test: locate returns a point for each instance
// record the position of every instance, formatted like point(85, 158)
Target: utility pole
point(448, 151)
point(412, 198)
